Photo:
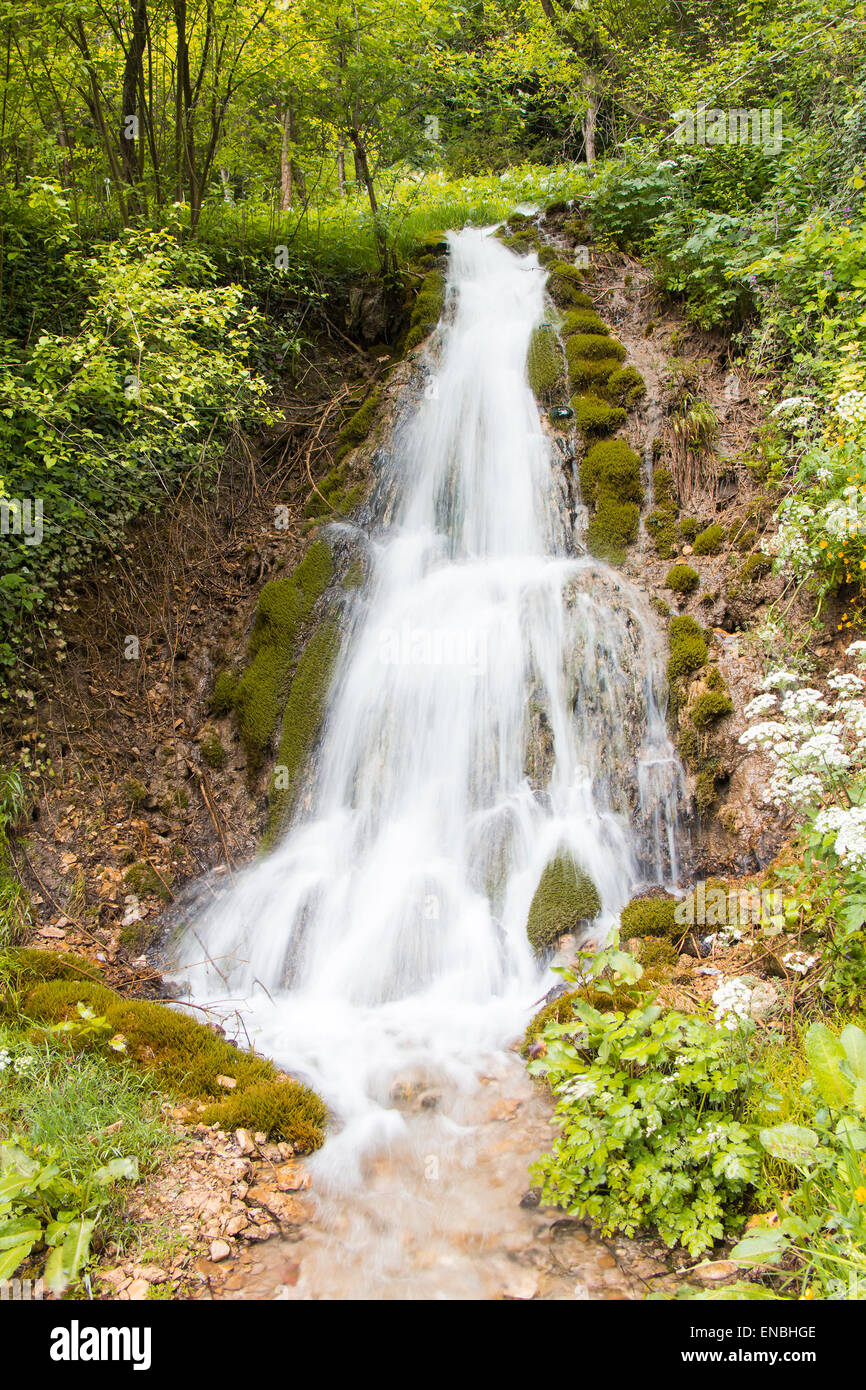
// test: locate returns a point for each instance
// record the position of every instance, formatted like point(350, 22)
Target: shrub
point(544, 364)
point(652, 916)
point(709, 541)
point(564, 897)
point(682, 579)
point(647, 1134)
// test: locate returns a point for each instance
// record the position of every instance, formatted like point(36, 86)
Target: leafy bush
point(648, 1138)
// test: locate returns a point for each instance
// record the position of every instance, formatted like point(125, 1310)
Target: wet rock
point(219, 1250)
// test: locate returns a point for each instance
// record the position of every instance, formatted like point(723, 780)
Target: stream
point(499, 698)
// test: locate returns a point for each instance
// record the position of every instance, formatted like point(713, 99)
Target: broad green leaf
point(11, 1259)
point(826, 1053)
point(23, 1228)
point(765, 1247)
point(792, 1143)
point(116, 1169)
point(853, 1040)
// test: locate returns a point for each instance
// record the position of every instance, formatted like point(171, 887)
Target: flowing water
point(496, 700)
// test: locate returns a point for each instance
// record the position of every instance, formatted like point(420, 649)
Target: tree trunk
point(590, 122)
point(286, 165)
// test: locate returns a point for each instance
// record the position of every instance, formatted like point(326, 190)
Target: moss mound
point(182, 1056)
point(710, 540)
point(544, 364)
point(595, 416)
point(225, 690)
point(652, 916)
point(611, 469)
point(612, 530)
point(688, 648)
point(283, 606)
point(755, 568)
point(547, 255)
point(583, 321)
point(564, 285)
point(707, 708)
point(626, 386)
point(589, 371)
point(595, 347)
point(682, 579)
point(564, 897)
point(661, 528)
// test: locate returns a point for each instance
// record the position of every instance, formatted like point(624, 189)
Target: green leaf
point(765, 1247)
point(853, 1040)
point(825, 1054)
point(792, 1143)
point(116, 1169)
point(23, 1228)
point(11, 1259)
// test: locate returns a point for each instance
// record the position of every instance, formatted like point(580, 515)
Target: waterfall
point(497, 698)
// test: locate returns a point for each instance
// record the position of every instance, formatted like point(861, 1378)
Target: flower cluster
point(732, 1000)
point(813, 748)
point(847, 825)
point(799, 961)
point(19, 1064)
point(851, 408)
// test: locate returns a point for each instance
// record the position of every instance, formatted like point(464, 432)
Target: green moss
point(655, 951)
point(745, 540)
point(302, 721)
point(586, 371)
point(651, 916)
point(142, 878)
point(564, 286)
point(284, 605)
point(212, 751)
point(547, 255)
point(611, 469)
point(224, 692)
point(755, 568)
point(22, 968)
point(134, 793)
point(595, 416)
point(659, 606)
point(710, 540)
point(707, 708)
point(561, 1009)
point(688, 744)
point(185, 1057)
point(682, 579)
point(427, 309)
point(582, 321)
point(354, 576)
point(565, 896)
point(689, 528)
point(626, 386)
point(663, 488)
point(688, 649)
point(705, 791)
point(595, 347)
point(544, 363)
point(661, 528)
point(612, 529)
point(357, 428)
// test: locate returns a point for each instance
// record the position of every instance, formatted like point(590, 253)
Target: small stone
point(152, 1273)
point(716, 1272)
point(228, 1083)
point(244, 1142)
point(137, 1290)
point(219, 1250)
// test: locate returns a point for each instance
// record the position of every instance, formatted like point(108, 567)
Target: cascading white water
point(385, 935)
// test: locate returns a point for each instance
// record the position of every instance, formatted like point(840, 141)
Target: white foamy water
point(384, 937)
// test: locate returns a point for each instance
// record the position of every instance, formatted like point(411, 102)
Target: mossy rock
point(682, 579)
point(284, 605)
point(688, 649)
point(547, 255)
point(134, 793)
point(596, 417)
point(565, 896)
point(657, 951)
point(595, 347)
point(626, 386)
point(355, 431)
point(651, 916)
point(544, 363)
point(612, 529)
point(594, 372)
point(185, 1057)
point(705, 791)
point(583, 321)
point(354, 576)
point(427, 309)
point(212, 752)
point(663, 488)
point(745, 540)
point(710, 540)
point(302, 721)
point(688, 743)
point(689, 527)
point(708, 707)
point(611, 469)
point(564, 284)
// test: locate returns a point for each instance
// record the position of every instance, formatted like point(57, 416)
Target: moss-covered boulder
point(611, 469)
point(564, 285)
point(544, 363)
point(583, 321)
point(565, 896)
point(596, 417)
point(626, 386)
point(710, 540)
point(595, 346)
point(688, 648)
point(651, 916)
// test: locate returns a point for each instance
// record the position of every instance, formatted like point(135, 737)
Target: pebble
point(220, 1250)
